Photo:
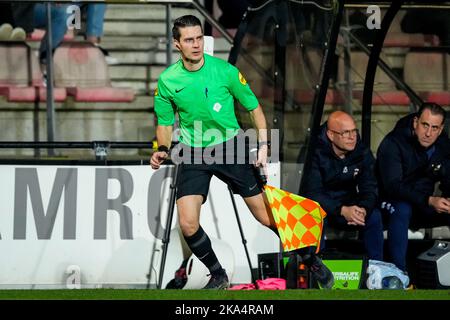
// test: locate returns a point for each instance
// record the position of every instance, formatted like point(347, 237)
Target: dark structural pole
point(372, 68)
point(50, 102)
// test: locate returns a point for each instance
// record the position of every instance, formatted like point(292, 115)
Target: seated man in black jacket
point(343, 181)
point(411, 159)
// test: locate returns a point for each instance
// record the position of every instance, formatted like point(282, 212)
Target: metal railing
point(100, 147)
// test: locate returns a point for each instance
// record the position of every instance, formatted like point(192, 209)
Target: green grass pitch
point(154, 294)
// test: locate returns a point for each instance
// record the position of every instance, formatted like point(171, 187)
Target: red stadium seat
point(31, 94)
point(387, 97)
point(38, 35)
point(102, 94)
point(14, 71)
point(81, 68)
point(333, 97)
point(406, 40)
point(441, 98)
point(20, 76)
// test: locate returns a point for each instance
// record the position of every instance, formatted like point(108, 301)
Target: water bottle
point(392, 282)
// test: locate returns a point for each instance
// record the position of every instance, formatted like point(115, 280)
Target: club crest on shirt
point(242, 79)
point(156, 92)
point(217, 106)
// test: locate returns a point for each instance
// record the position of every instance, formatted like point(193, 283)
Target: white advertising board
point(101, 226)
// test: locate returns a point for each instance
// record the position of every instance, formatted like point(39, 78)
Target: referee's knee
point(188, 228)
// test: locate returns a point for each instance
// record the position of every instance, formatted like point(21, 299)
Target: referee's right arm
point(164, 138)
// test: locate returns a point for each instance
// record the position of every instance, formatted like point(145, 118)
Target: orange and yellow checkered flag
point(299, 220)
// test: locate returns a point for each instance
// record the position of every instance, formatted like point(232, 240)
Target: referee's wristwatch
point(163, 148)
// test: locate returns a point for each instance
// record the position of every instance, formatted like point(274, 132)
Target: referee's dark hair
point(434, 108)
point(184, 21)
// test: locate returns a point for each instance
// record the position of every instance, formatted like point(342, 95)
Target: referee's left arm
point(259, 121)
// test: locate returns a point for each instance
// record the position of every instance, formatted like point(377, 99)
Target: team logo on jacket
point(345, 170)
point(242, 79)
point(436, 167)
point(355, 172)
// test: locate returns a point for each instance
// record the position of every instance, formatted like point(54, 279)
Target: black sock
point(200, 245)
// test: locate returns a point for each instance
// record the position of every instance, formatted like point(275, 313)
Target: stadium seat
point(397, 38)
point(20, 76)
point(14, 66)
point(392, 98)
point(441, 98)
point(38, 35)
point(384, 91)
point(31, 94)
point(358, 61)
point(427, 71)
point(80, 67)
point(407, 40)
point(102, 94)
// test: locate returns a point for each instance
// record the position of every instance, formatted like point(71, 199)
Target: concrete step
point(156, 70)
point(154, 12)
point(151, 57)
point(129, 28)
point(140, 87)
point(130, 42)
point(142, 44)
point(136, 72)
point(141, 102)
point(113, 125)
point(160, 57)
point(143, 64)
point(140, 57)
point(122, 40)
point(220, 44)
point(130, 72)
point(147, 29)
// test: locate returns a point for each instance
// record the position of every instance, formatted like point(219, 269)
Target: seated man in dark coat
point(343, 181)
point(411, 159)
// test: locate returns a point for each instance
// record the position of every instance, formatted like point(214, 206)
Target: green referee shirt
point(204, 101)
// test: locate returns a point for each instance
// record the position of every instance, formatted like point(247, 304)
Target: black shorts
point(240, 174)
point(194, 179)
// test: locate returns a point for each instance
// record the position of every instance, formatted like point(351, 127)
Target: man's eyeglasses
point(346, 133)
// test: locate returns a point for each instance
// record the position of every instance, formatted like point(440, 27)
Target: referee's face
point(191, 44)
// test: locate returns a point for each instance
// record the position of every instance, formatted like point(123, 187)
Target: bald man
point(342, 180)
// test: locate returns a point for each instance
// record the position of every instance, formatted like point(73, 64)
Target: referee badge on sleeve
point(242, 79)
